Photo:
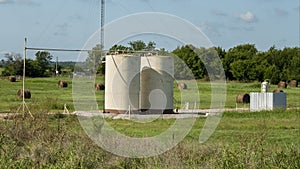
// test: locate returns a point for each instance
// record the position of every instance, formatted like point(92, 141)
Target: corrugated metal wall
point(267, 101)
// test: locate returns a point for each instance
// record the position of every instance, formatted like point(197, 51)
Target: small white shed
point(267, 101)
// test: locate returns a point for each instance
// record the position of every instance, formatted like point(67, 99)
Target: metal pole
point(24, 62)
point(129, 112)
point(102, 17)
point(56, 72)
point(60, 50)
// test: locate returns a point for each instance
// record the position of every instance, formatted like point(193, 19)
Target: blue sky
point(70, 23)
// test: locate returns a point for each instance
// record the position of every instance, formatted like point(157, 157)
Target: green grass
point(235, 88)
point(1, 69)
point(47, 97)
point(267, 139)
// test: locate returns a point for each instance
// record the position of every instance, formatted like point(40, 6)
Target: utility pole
point(56, 71)
point(102, 17)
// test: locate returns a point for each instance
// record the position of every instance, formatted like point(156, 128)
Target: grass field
point(47, 97)
point(241, 140)
point(267, 139)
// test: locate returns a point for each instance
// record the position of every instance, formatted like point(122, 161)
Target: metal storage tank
point(122, 83)
point(157, 80)
point(265, 87)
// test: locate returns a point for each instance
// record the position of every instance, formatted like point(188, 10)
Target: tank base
point(142, 111)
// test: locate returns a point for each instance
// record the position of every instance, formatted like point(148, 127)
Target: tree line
point(40, 67)
point(242, 63)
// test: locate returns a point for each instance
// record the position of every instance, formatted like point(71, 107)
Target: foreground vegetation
point(242, 140)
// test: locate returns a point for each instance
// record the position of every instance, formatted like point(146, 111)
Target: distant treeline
point(41, 66)
point(241, 63)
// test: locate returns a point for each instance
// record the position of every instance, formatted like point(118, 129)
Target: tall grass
point(242, 140)
point(267, 139)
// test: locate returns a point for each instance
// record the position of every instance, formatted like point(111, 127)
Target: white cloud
point(248, 17)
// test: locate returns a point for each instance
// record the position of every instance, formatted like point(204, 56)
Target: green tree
point(276, 62)
point(13, 65)
point(211, 63)
point(151, 46)
point(220, 51)
point(273, 73)
point(101, 68)
point(293, 70)
point(190, 60)
point(43, 60)
point(120, 49)
point(240, 52)
point(32, 68)
point(291, 63)
point(162, 51)
point(94, 59)
point(260, 64)
point(243, 70)
point(137, 45)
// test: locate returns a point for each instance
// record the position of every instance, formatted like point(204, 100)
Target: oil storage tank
point(156, 84)
point(122, 83)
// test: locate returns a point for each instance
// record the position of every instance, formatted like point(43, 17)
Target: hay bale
point(12, 78)
point(99, 86)
point(277, 91)
point(27, 94)
point(62, 84)
point(181, 86)
point(243, 98)
point(293, 83)
point(282, 84)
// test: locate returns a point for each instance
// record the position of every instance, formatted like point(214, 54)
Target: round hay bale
point(282, 84)
point(277, 91)
point(12, 78)
point(181, 86)
point(293, 83)
point(62, 84)
point(243, 98)
point(27, 94)
point(99, 86)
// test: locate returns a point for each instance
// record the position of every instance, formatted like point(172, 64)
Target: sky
point(69, 24)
